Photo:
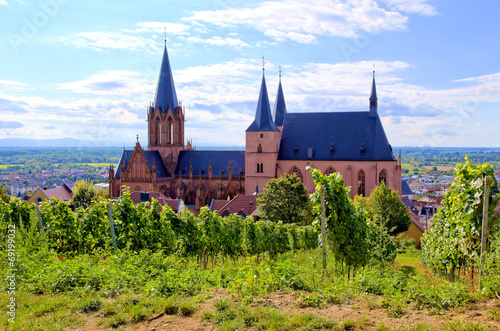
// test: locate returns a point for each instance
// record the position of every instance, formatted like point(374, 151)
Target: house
point(243, 205)
point(175, 204)
point(63, 193)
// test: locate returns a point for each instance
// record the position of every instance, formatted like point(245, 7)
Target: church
point(277, 142)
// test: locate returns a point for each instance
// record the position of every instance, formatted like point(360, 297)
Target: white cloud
point(219, 41)
point(108, 40)
point(304, 20)
point(3, 2)
point(159, 27)
point(412, 6)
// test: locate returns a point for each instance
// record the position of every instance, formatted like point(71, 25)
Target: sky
point(87, 70)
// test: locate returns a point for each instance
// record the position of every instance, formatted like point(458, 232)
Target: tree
point(385, 209)
point(3, 193)
point(285, 199)
point(84, 192)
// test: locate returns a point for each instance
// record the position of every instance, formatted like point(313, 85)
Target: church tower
point(262, 144)
point(166, 117)
point(279, 107)
point(373, 99)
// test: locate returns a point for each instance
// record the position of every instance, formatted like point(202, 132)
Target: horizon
point(87, 71)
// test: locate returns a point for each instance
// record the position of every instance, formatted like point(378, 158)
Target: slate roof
point(263, 119)
point(165, 90)
point(279, 111)
point(405, 188)
point(347, 131)
point(218, 159)
point(161, 170)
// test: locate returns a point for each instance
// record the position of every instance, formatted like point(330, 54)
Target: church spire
point(165, 95)
point(263, 119)
point(373, 99)
point(279, 105)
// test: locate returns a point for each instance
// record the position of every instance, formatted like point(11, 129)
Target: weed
point(464, 326)
point(186, 308)
point(91, 306)
point(348, 325)
point(221, 305)
point(493, 315)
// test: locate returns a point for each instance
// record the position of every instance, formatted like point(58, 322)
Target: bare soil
point(367, 312)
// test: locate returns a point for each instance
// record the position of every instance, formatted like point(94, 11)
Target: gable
point(150, 156)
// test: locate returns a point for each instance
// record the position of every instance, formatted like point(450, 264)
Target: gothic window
point(158, 133)
point(382, 177)
point(329, 171)
point(170, 131)
point(361, 183)
point(297, 172)
point(259, 148)
point(260, 167)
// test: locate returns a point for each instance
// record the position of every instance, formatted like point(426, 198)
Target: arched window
point(170, 131)
point(361, 183)
point(260, 167)
point(382, 177)
point(329, 171)
point(158, 133)
point(297, 172)
point(259, 148)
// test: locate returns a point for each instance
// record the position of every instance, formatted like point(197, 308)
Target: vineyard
point(116, 264)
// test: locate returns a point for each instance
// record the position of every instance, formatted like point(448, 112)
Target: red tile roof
point(245, 203)
point(218, 204)
point(162, 199)
point(59, 193)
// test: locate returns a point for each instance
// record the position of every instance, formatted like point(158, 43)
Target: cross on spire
point(263, 64)
point(137, 138)
point(165, 33)
point(280, 71)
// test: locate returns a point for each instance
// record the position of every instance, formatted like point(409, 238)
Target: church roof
point(263, 119)
point(151, 156)
point(355, 136)
point(405, 188)
point(219, 160)
point(279, 111)
point(165, 90)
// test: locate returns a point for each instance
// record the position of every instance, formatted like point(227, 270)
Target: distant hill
point(75, 143)
point(49, 143)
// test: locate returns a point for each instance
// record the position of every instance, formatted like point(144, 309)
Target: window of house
point(382, 177)
point(259, 148)
point(297, 172)
point(361, 183)
point(329, 171)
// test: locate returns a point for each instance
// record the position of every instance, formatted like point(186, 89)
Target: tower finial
point(280, 73)
point(373, 69)
point(263, 64)
point(137, 138)
point(165, 33)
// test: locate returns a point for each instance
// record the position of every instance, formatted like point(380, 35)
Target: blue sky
point(88, 69)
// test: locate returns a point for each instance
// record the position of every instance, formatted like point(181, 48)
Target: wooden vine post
point(323, 230)
point(484, 231)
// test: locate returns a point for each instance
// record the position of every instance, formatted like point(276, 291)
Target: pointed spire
point(373, 98)
point(263, 119)
point(165, 95)
point(279, 111)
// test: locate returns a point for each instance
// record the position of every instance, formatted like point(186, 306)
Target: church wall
point(349, 171)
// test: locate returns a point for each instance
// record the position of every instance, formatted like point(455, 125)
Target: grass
point(126, 288)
